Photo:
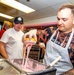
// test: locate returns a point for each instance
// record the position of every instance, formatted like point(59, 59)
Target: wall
point(42, 20)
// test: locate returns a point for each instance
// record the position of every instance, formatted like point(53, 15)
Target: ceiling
point(44, 8)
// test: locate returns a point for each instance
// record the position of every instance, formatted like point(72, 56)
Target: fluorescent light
point(6, 16)
point(17, 5)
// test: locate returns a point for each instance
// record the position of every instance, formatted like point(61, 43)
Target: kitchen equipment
point(33, 67)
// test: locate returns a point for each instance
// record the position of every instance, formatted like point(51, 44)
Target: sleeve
point(5, 37)
point(48, 33)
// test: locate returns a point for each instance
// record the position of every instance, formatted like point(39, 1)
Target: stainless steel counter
point(7, 69)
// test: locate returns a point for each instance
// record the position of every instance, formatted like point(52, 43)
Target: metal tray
point(33, 65)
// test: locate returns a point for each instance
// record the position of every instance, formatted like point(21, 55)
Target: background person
point(11, 45)
point(6, 26)
point(61, 42)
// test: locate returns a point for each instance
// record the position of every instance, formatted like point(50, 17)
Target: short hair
point(70, 6)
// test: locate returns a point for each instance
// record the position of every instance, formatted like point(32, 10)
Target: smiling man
point(11, 45)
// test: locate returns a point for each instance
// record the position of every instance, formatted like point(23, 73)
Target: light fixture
point(17, 5)
point(28, 0)
point(6, 16)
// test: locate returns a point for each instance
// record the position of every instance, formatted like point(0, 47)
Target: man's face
point(17, 26)
point(65, 20)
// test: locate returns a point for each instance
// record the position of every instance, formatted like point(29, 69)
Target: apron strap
point(69, 41)
point(53, 34)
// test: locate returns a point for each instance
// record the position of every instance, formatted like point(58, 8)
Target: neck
point(68, 31)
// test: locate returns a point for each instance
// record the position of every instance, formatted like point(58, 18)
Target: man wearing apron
point(61, 42)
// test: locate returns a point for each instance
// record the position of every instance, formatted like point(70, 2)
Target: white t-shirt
point(14, 44)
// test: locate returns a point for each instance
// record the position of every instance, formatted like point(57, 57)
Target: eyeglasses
point(18, 23)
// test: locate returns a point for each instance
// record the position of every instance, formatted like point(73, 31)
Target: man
point(11, 45)
point(6, 26)
point(61, 42)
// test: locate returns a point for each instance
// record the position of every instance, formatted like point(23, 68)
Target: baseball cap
point(18, 19)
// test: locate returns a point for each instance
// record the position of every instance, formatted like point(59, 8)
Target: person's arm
point(2, 50)
point(70, 72)
point(42, 46)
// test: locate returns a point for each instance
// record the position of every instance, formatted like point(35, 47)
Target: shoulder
point(8, 30)
point(48, 30)
point(21, 32)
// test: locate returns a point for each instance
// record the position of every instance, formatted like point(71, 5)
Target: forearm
point(70, 72)
point(43, 47)
point(2, 50)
